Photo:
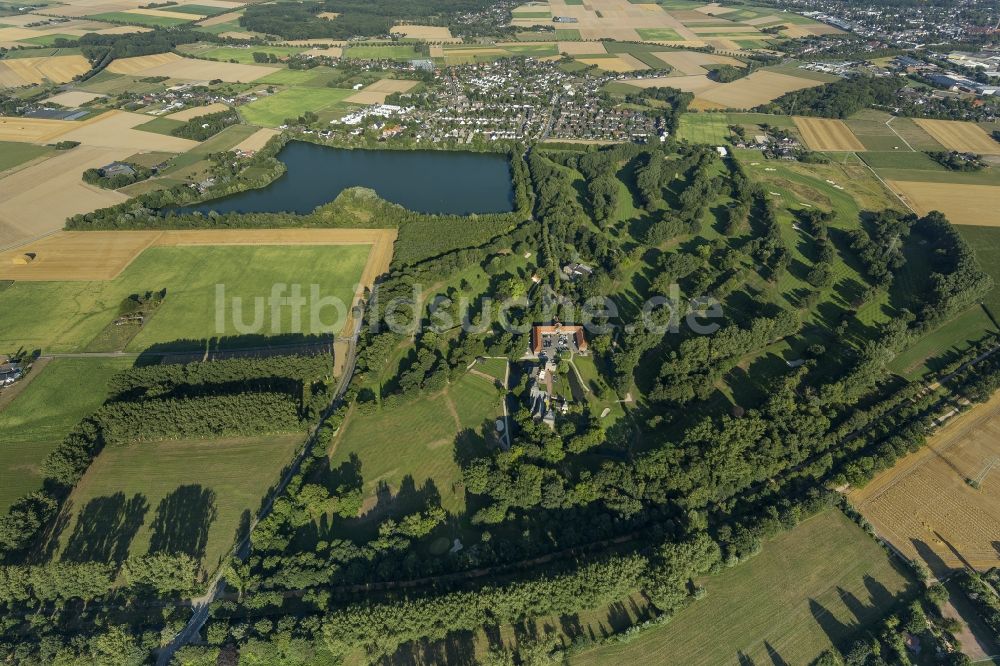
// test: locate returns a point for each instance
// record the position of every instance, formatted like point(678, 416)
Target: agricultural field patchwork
point(960, 136)
point(827, 135)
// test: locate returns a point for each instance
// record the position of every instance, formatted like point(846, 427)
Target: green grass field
point(659, 34)
point(935, 350)
point(316, 77)
point(47, 409)
point(201, 10)
point(47, 40)
point(418, 439)
point(813, 587)
point(14, 153)
point(272, 111)
point(244, 55)
point(388, 52)
point(986, 242)
point(175, 496)
point(711, 128)
point(141, 19)
point(76, 312)
point(161, 125)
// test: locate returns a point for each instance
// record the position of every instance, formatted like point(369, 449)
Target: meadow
point(244, 55)
point(174, 496)
point(14, 153)
point(141, 19)
point(273, 110)
point(416, 441)
point(811, 588)
point(388, 52)
point(986, 242)
point(76, 312)
point(944, 344)
point(48, 407)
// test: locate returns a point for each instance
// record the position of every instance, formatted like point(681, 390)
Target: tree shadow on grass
point(105, 528)
point(182, 521)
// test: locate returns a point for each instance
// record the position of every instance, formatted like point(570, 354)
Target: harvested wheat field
point(378, 91)
point(257, 140)
point(73, 98)
point(582, 48)
point(974, 205)
point(693, 83)
point(33, 130)
point(177, 67)
point(695, 62)
point(614, 19)
point(758, 88)
point(114, 129)
point(926, 506)
point(622, 62)
point(198, 111)
point(38, 199)
point(103, 255)
point(961, 136)
point(429, 33)
point(827, 134)
point(25, 71)
point(140, 64)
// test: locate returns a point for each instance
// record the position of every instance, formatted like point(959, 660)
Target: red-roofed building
point(558, 337)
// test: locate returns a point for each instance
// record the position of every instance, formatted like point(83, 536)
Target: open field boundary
point(103, 255)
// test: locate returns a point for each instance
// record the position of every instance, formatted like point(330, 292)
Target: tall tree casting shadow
point(105, 528)
point(182, 521)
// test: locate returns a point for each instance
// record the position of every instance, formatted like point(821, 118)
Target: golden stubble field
point(975, 205)
point(192, 69)
point(25, 71)
point(925, 507)
point(827, 134)
point(961, 136)
point(756, 89)
point(378, 91)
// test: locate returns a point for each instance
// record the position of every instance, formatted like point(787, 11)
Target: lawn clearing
point(925, 505)
point(937, 349)
point(417, 439)
point(827, 135)
point(812, 587)
point(76, 312)
point(51, 404)
point(174, 496)
point(274, 110)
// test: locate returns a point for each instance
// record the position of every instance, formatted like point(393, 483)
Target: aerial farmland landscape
point(499, 332)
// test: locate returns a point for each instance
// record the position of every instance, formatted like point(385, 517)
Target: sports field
point(812, 587)
point(827, 135)
point(76, 312)
point(43, 412)
point(926, 506)
point(417, 440)
point(174, 496)
point(274, 110)
point(960, 136)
